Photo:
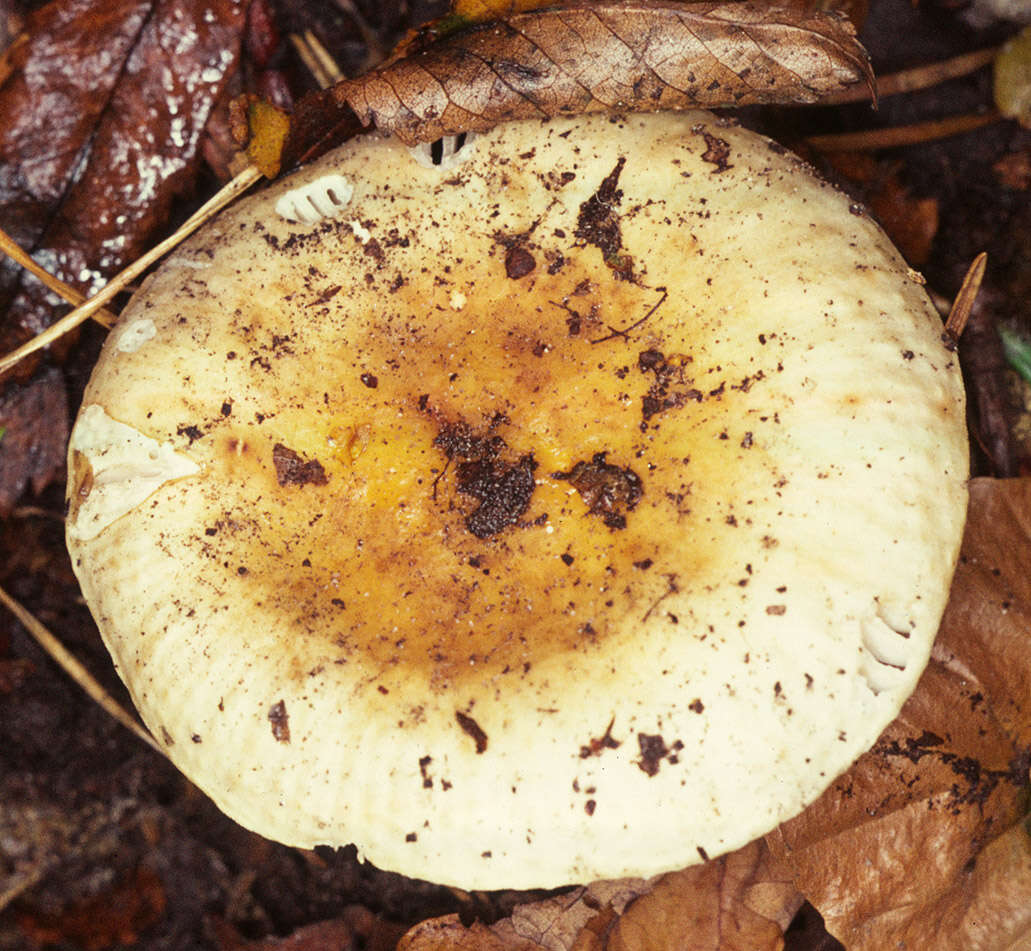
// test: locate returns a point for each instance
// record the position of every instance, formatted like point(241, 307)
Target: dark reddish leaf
point(34, 421)
point(130, 111)
point(356, 928)
point(113, 918)
point(588, 57)
point(262, 37)
point(61, 78)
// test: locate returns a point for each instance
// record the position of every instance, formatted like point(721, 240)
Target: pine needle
point(919, 77)
point(316, 59)
point(71, 666)
point(70, 321)
point(10, 247)
point(896, 136)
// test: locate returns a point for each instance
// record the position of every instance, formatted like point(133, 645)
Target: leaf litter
point(925, 838)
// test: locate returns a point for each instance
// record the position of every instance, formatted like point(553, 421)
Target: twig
point(70, 321)
point(896, 136)
point(965, 297)
point(71, 666)
point(920, 77)
point(10, 247)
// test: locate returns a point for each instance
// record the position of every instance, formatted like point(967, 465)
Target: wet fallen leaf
point(34, 422)
point(641, 56)
point(40, 91)
point(902, 847)
point(123, 91)
point(112, 918)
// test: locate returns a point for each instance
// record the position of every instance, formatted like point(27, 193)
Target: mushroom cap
point(579, 507)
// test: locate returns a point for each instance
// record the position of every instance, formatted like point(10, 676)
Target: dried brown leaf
point(449, 934)
point(901, 847)
point(741, 902)
point(587, 57)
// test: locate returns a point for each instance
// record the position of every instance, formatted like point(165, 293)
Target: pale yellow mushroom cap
point(576, 508)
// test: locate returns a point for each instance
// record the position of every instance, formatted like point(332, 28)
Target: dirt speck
point(293, 469)
point(608, 490)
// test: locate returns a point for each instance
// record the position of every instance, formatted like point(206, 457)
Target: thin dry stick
point(74, 669)
point(965, 297)
point(70, 321)
point(920, 77)
point(897, 136)
point(10, 247)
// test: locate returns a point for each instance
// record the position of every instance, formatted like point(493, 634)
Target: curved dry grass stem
point(123, 279)
point(11, 248)
point(71, 666)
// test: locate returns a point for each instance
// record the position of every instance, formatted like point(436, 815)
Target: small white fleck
point(458, 300)
point(135, 334)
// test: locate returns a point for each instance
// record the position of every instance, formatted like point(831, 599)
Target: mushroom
point(577, 507)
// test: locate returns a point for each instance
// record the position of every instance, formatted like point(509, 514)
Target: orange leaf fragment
point(268, 127)
point(478, 11)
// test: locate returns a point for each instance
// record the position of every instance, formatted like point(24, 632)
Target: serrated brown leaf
point(103, 116)
point(901, 848)
point(740, 902)
point(587, 57)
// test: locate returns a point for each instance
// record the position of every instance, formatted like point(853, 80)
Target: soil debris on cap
point(608, 490)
